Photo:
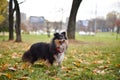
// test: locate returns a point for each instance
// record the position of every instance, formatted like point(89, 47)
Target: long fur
point(46, 51)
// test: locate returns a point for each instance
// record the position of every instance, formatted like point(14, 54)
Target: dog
point(53, 51)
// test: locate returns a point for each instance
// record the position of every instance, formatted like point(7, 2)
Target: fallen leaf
point(117, 65)
point(3, 77)
point(77, 64)
point(25, 65)
point(7, 75)
point(98, 62)
point(12, 69)
point(108, 61)
point(0, 55)
point(24, 78)
point(96, 52)
point(98, 71)
point(105, 67)
point(66, 69)
point(81, 61)
point(15, 55)
point(67, 75)
point(73, 51)
point(56, 78)
point(5, 66)
point(31, 70)
point(76, 74)
point(47, 71)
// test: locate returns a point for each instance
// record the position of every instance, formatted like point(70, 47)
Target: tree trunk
point(48, 29)
point(72, 19)
point(11, 35)
point(17, 23)
point(118, 31)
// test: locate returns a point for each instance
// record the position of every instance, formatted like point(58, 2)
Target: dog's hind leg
point(51, 61)
point(33, 60)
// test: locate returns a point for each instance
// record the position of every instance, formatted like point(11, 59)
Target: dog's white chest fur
point(59, 58)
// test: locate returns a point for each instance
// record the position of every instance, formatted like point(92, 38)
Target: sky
point(57, 10)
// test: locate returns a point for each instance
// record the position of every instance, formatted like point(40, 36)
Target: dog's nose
point(60, 42)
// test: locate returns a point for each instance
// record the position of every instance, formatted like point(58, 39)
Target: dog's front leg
point(59, 63)
point(59, 58)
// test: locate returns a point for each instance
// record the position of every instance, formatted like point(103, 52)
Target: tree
point(72, 19)
point(3, 14)
point(3, 10)
point(101, 24)
point(12, 9)
point(3, 17)
point(11, 35)
point(48, 28)
point(111, 19)
point(118, 27)
point(18, 21)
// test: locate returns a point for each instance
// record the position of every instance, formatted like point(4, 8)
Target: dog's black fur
point(44, 50)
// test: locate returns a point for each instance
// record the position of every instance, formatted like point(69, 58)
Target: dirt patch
point(83, 42)
point(71, 41)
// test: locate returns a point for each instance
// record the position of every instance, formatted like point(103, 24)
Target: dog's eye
point(63, 41)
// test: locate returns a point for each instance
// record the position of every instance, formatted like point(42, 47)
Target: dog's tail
point(27, 56)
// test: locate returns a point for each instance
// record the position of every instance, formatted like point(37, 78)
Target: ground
point(87, 58)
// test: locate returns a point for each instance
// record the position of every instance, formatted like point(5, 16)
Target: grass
point(88, 58)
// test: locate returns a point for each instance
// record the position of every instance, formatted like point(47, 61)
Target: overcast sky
point(56, 10)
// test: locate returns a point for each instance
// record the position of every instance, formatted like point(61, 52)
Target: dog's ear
point(65, 35)
point(56, 34)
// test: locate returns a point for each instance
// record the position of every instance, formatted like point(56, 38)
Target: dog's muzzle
point(59, 50)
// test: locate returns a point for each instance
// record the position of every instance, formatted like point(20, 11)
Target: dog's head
point(60, 41)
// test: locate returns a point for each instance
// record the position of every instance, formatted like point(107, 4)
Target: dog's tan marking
point(59, 42)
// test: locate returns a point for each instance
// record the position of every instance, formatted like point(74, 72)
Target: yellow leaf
point(108, 62)
point(77, 64)
point(26, 65)
point(9, 76)
point(117, 65)
point(0, 55)
point(5, 66)
point(98, 62)
point(24, 78)
point(15, 55)
point(57, 78)
point(66, 69)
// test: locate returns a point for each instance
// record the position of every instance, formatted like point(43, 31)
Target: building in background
point(37, 20)
point(23, 17)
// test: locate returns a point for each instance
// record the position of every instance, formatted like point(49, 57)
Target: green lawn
point(88, 58)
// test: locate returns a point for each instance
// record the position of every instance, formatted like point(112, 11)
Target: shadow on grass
point(39, 66)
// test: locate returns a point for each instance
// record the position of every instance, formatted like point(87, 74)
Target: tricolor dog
point(53, 51)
